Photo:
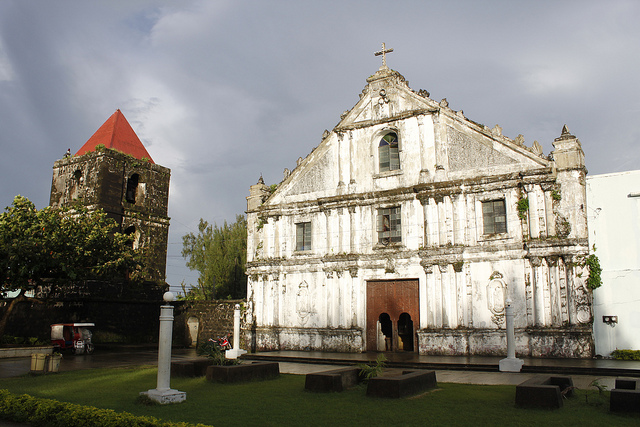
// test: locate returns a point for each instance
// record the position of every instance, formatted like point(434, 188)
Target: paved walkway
point(461, 369)
point(457, 369)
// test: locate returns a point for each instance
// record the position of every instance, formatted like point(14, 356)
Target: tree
point(219, 254)
point(59, 247)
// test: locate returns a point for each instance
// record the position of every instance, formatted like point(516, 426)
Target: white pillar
point(163, 392)
point(235, 352)
point(511, 363)
point(534, 220)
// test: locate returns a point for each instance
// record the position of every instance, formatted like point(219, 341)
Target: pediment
point(386, 97)
point(470, 150)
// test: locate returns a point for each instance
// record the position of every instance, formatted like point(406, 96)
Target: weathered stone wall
point(215, 319)
point(306, 339)
point(570, 342)
point(101, 180)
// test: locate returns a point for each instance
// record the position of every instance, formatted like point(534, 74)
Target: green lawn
point(284, 402)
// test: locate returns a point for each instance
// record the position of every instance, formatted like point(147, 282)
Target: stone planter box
point(244, 372)
point(407, 384)
point(335, 380)
point(625, 397)
point(543, 391)
point(190, 368)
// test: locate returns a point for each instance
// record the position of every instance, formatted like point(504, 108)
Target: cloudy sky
point(224, 91)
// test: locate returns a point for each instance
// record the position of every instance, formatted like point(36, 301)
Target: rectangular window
point(303, 236)
point(494, 217)
point(389, 226)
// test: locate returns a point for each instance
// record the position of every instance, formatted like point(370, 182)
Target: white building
point(409, 227)
point(614, 230)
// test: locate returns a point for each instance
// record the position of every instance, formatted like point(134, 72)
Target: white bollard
point(163, 392)
point(235, 352)
point(511, 363)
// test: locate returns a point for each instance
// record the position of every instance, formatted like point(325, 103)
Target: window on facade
point(494, 217)
point(389, 230)
point(303, 236)
point(131, 232)
point(388, 153)
point(132, 187)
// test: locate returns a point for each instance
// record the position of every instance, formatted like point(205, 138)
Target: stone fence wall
point(208, 319)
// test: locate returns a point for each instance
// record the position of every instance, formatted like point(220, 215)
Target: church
point(410, 227)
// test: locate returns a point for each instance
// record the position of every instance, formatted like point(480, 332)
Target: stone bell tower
point(114, 171)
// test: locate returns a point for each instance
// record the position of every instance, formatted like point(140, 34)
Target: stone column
point(511, 363)
point(327, 214)
point(538, 291)
point(235, 352)
point(534, 229)
point(459, 296)
point(352, 229)
point(441, 221)
point(352, 160)
point(424, 168)
point(163, 393)
point(339, 151)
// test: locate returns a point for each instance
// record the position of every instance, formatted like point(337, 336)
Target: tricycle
point(75, 337)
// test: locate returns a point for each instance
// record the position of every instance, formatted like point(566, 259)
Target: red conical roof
point(116, 133)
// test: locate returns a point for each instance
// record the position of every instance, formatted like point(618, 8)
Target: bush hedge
point(51, 413)
point(626, 354)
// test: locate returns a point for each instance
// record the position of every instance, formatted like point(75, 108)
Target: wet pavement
point(457, 369)
point(407, 360)
point(118, 358)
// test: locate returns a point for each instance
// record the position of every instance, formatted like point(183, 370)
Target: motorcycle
point(221, 343)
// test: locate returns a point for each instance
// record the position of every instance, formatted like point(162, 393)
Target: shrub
point(212, 350)
point(594, 281)
point(626, 354)
point(45, 412)
point(523, 208)
point(372, 370)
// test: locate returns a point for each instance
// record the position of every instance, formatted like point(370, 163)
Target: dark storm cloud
point(224, 91)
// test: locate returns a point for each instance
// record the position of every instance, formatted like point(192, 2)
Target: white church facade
point(409, 227)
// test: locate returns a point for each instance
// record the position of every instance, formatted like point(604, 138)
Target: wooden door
point(393, 297)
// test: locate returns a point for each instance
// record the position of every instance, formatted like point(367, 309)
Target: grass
point(284, 402)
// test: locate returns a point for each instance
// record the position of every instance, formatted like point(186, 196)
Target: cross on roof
point(384, 52)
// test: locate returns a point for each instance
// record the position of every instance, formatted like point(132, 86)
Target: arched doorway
point(394, 304)
point(193, 324)
point(386, 330)
point(405, 332)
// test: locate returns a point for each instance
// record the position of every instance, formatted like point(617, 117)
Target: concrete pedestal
point(166, 396)
point(163, 393)
point(511, 365)
point(236, 351)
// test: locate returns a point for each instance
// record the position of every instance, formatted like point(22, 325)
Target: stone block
point(190, 368)
point(543, 391)
point(407, 384)
point(625, 397)
point(333, 380)
point(244, 372)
